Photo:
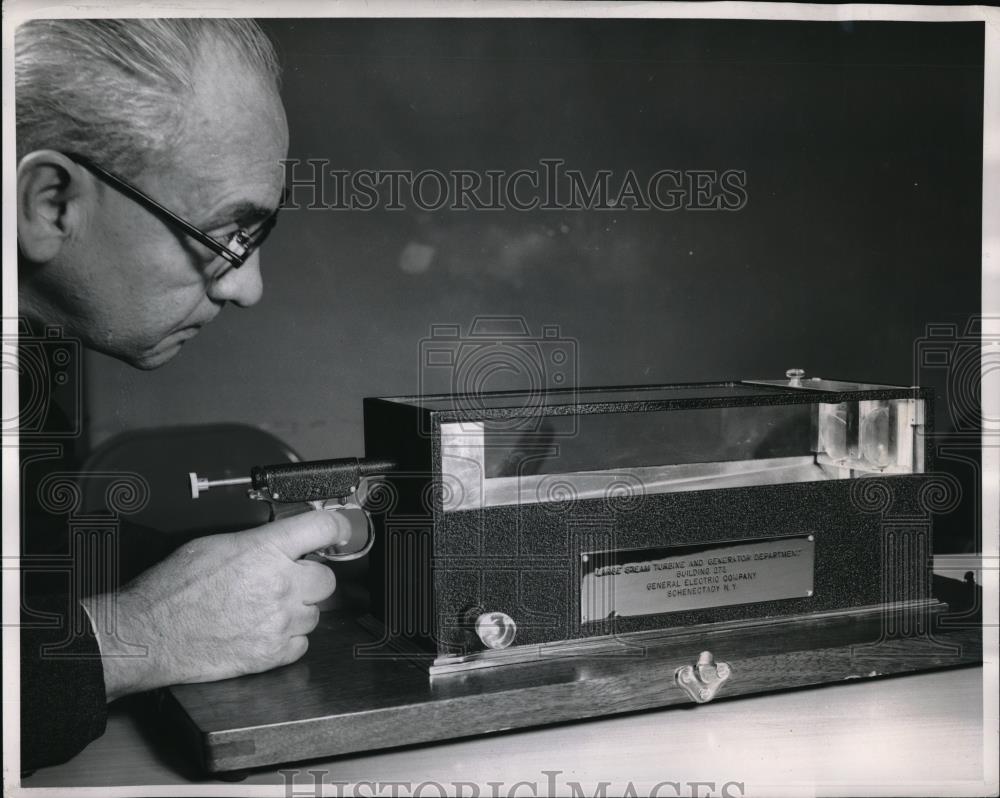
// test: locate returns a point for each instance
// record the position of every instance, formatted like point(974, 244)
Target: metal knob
point(495, 629)
point(702, 680)
point(795, 377)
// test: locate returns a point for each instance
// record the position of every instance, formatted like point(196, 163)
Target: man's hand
point(219, 606)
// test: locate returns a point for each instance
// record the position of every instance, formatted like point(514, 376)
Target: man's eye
point(224, 234)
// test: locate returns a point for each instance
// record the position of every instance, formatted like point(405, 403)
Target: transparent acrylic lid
point(557, 397)
point(540, 399)
point(819, 384)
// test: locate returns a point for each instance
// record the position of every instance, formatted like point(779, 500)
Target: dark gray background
point(862, 144)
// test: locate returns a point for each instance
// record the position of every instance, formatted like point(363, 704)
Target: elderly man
point(149, 171)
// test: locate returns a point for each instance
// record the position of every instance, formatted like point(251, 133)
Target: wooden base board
point(331, 703)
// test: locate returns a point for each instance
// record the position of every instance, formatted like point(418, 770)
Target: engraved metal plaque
point(649, 581)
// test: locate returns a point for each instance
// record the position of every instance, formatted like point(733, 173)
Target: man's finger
point(304, 621)
point(301, 534)
point(317, 580)
point(296, 647)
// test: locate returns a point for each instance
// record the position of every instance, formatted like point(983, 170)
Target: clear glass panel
point(593, 442)
point(869, 435)
point(626, 454)
point(519, 399)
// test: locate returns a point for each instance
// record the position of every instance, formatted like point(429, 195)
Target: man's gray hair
point(115, 90)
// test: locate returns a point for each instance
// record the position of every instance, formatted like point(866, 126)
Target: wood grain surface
point(332, 702)
point(915, 734)
point(931, 733)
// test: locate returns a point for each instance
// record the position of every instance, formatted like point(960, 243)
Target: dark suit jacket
point(65, 555)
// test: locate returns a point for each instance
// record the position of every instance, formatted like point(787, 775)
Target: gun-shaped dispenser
point(322, 484)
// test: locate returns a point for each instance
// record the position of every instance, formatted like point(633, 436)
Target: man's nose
point(242, 286)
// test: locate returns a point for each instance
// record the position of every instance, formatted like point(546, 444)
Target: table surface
point(914, 734)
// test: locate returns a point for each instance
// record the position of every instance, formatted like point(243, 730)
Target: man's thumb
point(300, 534)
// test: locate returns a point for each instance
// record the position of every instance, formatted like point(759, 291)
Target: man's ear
point(49, 189)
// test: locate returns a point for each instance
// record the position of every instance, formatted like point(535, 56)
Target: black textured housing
point(429, 567)
point(310, 481)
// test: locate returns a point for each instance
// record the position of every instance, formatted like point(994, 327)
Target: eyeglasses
point(236, 250)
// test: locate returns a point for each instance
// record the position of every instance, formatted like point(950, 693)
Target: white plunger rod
point(199, 484)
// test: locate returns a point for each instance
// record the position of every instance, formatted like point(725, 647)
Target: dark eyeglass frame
point(237, 250)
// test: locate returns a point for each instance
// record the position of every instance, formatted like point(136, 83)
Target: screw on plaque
point(703, 680)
